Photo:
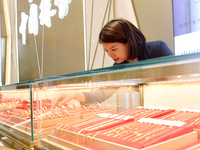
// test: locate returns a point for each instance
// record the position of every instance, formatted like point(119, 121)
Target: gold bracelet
point(21, 112)
point(137, 132)
point(70, 106)
point(78, 134)
point(98, 104)
point(67, 112)
point(50, 116)
point(108, 105)
point(77, 106)
point(45, 108)
point(126, 129)
point(6, 105)
point(59, 114)
point(85, 107)
point(100, 123)
point(149, 132)
point(197, 121)
point(100, 126)
point(94, 136)
point(40, 118)
point(148, 113)
point(87, 122)
point(92, 107)
point(172, 114)
point(59, 127)
point(27, 113)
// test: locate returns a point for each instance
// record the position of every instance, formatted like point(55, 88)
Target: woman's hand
point(65, 97)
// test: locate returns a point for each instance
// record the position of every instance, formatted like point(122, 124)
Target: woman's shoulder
point(154, 44)
point(157, 49)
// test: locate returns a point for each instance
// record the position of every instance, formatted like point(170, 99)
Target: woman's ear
point(129, 41)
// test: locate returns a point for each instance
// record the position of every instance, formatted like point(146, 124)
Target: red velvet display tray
point(56, 142)
point(154, 135)
point(189, 117)
point(147, 112)
point(94, 123)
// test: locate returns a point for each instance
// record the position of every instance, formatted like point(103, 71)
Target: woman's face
point(117, 51)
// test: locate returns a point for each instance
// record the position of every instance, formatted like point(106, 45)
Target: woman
point(124, 43)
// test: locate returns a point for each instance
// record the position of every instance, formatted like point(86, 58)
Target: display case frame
point(170, 70)
point(167, 71)
point(16, 122)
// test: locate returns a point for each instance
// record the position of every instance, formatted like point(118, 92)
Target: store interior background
point(71, 44)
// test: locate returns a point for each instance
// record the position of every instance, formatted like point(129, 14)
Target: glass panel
point(118, 96)
point(140, 72)
point(16, 116)
point(50, 37)
point(113, 90)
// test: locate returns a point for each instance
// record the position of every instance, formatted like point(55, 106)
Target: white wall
point(176, 96)
point(155, 20)
point(152, 17)
point(94, 23)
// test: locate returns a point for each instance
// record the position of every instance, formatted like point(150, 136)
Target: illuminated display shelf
point(28, 116)
point(14, 99)
point(134, 83)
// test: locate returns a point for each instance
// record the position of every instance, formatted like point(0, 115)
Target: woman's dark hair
point(123, 31)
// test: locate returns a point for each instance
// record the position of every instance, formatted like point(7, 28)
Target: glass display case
point(17, 112)
point(117, 97)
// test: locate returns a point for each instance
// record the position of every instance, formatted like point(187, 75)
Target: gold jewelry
point(40, 117)
point(50, 116)
point(172, 114)
point(67, 112)
point(85, 107)
point(87, 122)
point(59, 127)
point(59, 114)
point(94, 136)
point(98, 104)
point(148, 133)
point(107, 105)
point(92, 107)
point(78, 134)
point(101, 125)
